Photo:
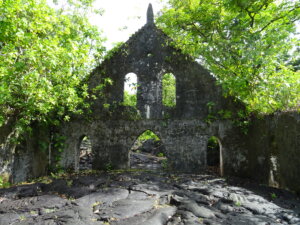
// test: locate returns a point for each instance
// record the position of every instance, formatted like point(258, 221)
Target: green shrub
point(148, 134)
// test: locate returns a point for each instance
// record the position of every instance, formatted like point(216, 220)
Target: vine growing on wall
point(58, 146)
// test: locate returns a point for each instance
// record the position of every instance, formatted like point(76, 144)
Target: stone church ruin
point(267, 151)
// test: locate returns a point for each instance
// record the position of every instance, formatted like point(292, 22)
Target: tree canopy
point(249, 45)
point(45, 53)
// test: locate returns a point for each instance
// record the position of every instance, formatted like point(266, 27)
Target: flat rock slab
point(147, 197)
point(124, 208)
point(32, 203)
point(199, 211)
point(104, 197)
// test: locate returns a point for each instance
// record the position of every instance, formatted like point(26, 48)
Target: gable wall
point(269, 153)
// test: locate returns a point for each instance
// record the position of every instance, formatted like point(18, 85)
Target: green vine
point(58, 148)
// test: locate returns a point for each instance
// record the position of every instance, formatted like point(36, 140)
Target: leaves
point(45, 53)
point(169, 90)
point(148, 134)
point(244, 44)
point(129, 99)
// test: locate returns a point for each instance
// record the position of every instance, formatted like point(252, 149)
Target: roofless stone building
point(268, 151)
point(183, 128)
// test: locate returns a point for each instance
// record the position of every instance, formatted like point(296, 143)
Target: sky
point(122, 18)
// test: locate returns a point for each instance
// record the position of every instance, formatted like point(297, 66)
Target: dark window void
point(148, 152)
point(85, 154)
point(169, 90)
point(214, 155)
point(130, 90)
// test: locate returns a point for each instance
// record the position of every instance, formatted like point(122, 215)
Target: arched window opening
point(148, 152)
point(130, 90)
point(169, 90)
point(85, 154)
point(214, 155)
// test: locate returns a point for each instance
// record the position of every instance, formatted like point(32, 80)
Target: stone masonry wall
point(7, 149)
point(269, 153)
point(112, 140)
point(273, 150)
point(185, 142)
point(30, 159)
point(27, 159)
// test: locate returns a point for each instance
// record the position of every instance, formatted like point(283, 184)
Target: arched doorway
point(148, 152)
point(214, 156)
point(85, 154)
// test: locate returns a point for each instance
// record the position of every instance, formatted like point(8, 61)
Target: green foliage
point(245, 44)
point(169, 90)
point(22, 218)
point(148, 134)
point(225, 114)
point(69, 183)
point(44, 179)
point(243, 122)
point(160, 154)
point(211, 116)
point(165, 165)
point(58, 147)
point(210, 106)
point(45, 54)
point(56, 175)
point(114, 50)
point(130, 114)
point(4, 183)
point(212, 142)
point(105, 82)
point(238, 204)
point(108, 167)
point(129, 99)
point(273, 196)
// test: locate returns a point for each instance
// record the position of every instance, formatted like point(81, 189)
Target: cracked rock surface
point(147, 197)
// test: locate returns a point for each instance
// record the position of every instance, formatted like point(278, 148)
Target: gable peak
point(150, 14)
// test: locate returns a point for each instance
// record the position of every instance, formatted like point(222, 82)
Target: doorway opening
point(85, 154)
point(148, 152)
point(214, 156)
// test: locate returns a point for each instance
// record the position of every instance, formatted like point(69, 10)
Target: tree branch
point(276, 19)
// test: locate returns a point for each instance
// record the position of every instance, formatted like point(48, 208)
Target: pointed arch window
point(169, 90)
point(130, 90)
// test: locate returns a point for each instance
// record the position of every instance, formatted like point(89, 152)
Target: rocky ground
point(146, 197)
